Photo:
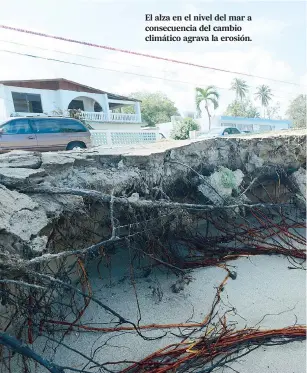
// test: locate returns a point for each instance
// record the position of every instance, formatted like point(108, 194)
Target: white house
point(54, 96)
point(250, 124)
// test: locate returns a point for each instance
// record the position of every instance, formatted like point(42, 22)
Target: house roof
point(255, 120)
point(56, 84)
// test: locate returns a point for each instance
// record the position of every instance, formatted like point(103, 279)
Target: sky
point(277, 50)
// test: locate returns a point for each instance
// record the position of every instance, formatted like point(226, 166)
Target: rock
point(299, 178)
point(254, 162)
point(20, 215)
point(120, 165)
point(38, 244)
point(54, 205)
point(134, 197)
point(220, 184)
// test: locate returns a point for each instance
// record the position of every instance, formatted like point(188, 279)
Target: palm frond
point(214, 101)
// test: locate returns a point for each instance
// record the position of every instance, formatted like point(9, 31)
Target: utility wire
point(113, 70)
point(139, 54)
point(121, 63)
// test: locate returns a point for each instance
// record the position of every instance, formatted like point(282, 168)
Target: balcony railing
point(94, 116)
point(113, 117)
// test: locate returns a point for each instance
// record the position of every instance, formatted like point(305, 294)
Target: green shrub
point(181, 129)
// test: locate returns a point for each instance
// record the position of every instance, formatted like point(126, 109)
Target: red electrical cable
point(137, 53)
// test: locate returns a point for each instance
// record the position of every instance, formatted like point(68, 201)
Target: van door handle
point(31, 137)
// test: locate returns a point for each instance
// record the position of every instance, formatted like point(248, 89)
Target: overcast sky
point(278, 49)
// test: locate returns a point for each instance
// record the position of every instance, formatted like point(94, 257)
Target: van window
point(16, 127)
point(71, 126)
point(45, 125)
point(231, 131)
point(234, 131)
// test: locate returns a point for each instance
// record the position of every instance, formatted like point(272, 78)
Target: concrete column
point(62, 100)
point(137, 108)
point(6, 104)
point(105, 106)
point(109, 139)
point(88, 104)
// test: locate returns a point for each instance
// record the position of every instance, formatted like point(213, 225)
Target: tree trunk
point(209, 116)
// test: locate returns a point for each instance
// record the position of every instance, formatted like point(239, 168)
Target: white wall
point(204, 123)
point(3, 111)
point(49, 98)
point(67, 96)
point(165, 128)
point(250, 124)
point(115, 126)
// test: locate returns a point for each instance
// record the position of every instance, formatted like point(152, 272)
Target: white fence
point(110, 139)
point(113, 117)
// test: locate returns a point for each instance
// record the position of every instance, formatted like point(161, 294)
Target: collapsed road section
point(144, 260)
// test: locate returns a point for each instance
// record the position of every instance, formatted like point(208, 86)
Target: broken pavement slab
point(53, 161)
point(15, 177)
point(21, 159)
point(138, 169)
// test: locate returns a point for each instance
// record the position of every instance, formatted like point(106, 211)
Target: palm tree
point(207, 95)
point(264, 94)
point(240, 87)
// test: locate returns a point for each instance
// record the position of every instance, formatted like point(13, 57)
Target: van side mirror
point(1, 131)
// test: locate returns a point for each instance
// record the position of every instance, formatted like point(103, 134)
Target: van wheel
point(75, 145)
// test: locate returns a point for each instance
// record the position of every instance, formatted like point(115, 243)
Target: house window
point(27, 102)
point(76, 104)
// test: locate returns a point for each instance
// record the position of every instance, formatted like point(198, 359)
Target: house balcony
point(110, 117)
point(93, 116)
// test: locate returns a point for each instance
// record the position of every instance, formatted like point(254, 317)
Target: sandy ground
point(264, 286)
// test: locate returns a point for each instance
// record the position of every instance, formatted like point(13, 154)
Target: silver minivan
point(43, 134)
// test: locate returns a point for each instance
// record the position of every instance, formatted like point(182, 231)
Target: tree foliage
point(156, 107)
point(181, 129)
point(243, 108)
point(273, 111)
point(207, 95)
point(297, 111)
point(240, 87)
point(264, 94)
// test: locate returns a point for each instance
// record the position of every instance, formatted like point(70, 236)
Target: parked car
point(43, 134)
point(220, 131)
